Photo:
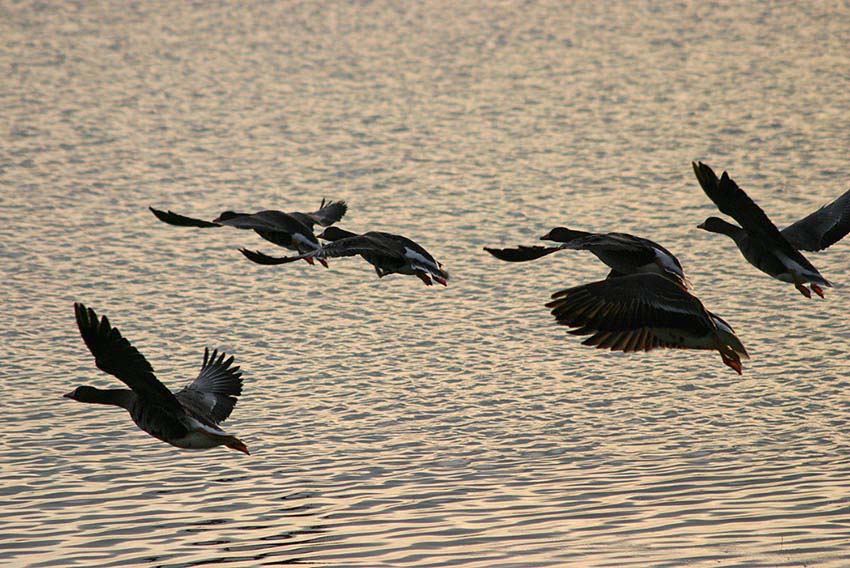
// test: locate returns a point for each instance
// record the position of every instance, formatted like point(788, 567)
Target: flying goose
point(188, 418)
point(289, 230)
point(388, 253)
point(644, 311)
point(772, 251)
point(622, 252)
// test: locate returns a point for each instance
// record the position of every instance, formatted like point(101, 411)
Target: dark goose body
point(386, 252)
point(774, 252)
point(187, 419)
point(293, 231)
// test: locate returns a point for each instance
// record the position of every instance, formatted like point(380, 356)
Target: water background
point(392, 424)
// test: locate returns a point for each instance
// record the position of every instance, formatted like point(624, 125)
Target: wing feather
point(822, 228)
point(173, 218)
point(329, 213)
point(213, 393)
point(522, 253)
point(115, 355)
point(625, 313)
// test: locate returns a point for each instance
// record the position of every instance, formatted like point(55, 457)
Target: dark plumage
point(289, 230)
point(388, 253)
point(186, 419)
point(622, 252)
point(772, 251)
point(640, 312)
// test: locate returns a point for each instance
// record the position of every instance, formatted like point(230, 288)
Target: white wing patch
point(413, 255)
point(667, 263)
point(302, 240)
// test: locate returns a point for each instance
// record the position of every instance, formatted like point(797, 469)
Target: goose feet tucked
point(423, 276)
point(800, 285)
point(732, 359)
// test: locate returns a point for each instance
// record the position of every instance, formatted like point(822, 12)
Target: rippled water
point(392, 424)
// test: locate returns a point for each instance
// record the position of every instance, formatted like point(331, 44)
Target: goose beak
point(68, 395)
point(701, 226)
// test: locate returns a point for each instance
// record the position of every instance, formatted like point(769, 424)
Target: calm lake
point(389, 423)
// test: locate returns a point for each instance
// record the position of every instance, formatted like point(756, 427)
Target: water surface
point(392, 424)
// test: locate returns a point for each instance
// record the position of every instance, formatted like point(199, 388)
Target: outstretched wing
point(639, 250)
point(733, 201)
point(114, 355)
point(522, 253)
point(370, 247)
point(631, 313)
point(372, 244)
point(261, 258)
point(328, 213)
point(269, 220)
point(823, 228)
point(173, 218)
point(213, 394)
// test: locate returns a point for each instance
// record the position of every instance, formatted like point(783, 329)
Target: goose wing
point(369, 244)
point(115, 355)
point(262, 258)
point(397, 244)
point(823, 228)
point(328, 213)
point(274, 226)
point(213, 393)
point(640, 251)
point(173, 218)
point(733, 201)
point(269, 220)
point(631, 313)
point(522, 253)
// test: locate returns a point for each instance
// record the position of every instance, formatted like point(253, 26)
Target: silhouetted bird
point(289, 230)
point(772, 251)
point(188, 418)
point(388, 253)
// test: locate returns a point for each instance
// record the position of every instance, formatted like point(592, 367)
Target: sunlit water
point(392, 424)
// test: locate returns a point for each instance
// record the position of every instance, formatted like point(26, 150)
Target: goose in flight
point(388, 253)
point(289, 230)
point(772, 251)
point(188, 418)
point(644, 311)
point(622, 252)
